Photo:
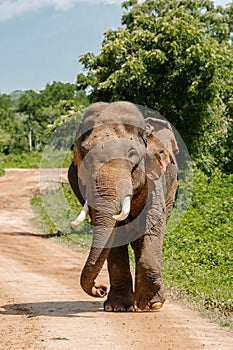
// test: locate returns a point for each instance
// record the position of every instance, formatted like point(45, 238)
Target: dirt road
point(43, 307)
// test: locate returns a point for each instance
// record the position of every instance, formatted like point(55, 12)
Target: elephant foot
point(117, 303)
point(154, 304)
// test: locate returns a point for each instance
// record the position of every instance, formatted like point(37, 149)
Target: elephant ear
point(79, 155)
point(75, 183)
point(77, 173)
point(161, 146)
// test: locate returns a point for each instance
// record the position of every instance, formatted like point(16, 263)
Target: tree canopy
point(176, 57)
point(26, 116)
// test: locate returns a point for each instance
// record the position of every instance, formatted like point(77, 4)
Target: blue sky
point(41, 40)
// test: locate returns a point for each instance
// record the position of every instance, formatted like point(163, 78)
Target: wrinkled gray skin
point(118, 153)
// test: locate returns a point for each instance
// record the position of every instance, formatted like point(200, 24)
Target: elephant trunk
point(109, 199)
point(90, 273)
point(101, 245)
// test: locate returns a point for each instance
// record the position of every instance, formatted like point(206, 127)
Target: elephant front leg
point(149, 290)
point(120, 297)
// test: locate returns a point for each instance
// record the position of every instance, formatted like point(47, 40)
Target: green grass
point(53, 214)
point(197, 255)
point(49, 158)
point(25, 160)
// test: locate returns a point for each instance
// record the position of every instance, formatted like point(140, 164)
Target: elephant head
point(116, 153)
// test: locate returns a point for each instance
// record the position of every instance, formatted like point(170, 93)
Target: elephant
point(124, 173)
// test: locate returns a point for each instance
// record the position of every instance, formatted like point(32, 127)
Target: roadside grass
point(51, 158)
point(197, 254)
point(24, 160)
point(53, 218)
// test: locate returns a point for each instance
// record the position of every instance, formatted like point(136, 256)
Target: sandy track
point(43, 307)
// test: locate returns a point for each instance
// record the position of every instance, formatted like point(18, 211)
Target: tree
point(174, 56)
point(42, 109)
point(12, 133)
point(56, 92)
point(27, 118)
point(29, 104)
point(5, 140)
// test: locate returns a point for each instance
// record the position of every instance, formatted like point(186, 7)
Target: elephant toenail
point(108, 308)
point(131, 309)
point(156, 306)
point(144, 308)
point(119, 309)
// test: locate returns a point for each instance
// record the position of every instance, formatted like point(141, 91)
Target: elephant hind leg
point(120, 297)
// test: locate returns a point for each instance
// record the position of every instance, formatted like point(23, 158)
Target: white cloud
point(13, 8)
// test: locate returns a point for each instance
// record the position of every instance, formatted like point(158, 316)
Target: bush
point(24, 160)
point(197, 254)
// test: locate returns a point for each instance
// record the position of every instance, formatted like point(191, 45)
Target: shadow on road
point(29, 234)
point(33, 234)
point(52, 308)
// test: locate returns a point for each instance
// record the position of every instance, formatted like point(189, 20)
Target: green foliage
point(25, 160)
point(5, 138)
point(198, 253)
point(52, 218)
point(174, 56)
point(57, 100)
point(28, 118)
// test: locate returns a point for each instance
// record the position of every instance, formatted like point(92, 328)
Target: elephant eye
point(86, 134)
point(132, 153)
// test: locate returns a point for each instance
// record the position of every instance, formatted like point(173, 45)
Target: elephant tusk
point(124, 211)
point(82, 216)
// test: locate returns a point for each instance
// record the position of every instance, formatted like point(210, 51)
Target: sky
point(41, 40)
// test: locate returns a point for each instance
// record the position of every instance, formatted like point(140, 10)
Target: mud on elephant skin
point(124, 173)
